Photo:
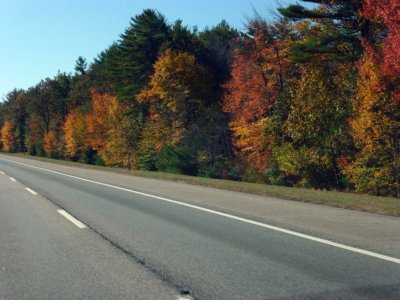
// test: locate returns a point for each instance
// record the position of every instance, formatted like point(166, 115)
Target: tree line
point(310, 99)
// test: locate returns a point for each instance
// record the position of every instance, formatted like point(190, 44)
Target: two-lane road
point(43, 255)
point(142, 244)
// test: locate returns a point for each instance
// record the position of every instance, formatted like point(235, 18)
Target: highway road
point(72, 233)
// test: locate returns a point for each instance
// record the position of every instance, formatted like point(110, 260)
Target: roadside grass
point(361, 202)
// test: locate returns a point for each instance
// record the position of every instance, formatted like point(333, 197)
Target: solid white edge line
point(70, 218)
point(13, 179)
point(275, 228)
point(31, 191)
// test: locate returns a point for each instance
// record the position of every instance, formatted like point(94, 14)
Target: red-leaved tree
point(388, 13)
point(257, 77)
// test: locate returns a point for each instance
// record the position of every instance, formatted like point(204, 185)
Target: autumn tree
point(75, 133)
point(386, 13)
point(247, 102)
point(177, 91)
point(176, 96)
point(8, 137)
point(259, 71)
point(51, 144)
point(128, 65)
point(97, 122)
point(316, 128)
point(110, 128)
point(34, 137)
point(376, 124)
point(309, 100)
point(376, 130)
point(121, 146)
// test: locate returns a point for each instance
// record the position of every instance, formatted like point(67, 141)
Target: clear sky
point(40, 37)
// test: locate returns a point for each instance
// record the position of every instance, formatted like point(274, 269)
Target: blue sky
point(40, 37)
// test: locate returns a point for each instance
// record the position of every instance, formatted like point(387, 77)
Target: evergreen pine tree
point(137, 52)
point(342, 27)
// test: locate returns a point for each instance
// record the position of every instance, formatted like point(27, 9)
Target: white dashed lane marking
point(31, 191)
point(70, 218)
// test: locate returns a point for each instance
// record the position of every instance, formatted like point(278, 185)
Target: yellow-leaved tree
point(75, 135)
point(176, 97)
point(376, 131)
point(177, 90)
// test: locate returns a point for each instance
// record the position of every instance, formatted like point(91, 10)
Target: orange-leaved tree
point(8, 136)
point(97, 121)
point(52, 144)
point(34, 137)
point(110, 129)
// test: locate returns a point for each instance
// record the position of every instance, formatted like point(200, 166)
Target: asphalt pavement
point(151, 239)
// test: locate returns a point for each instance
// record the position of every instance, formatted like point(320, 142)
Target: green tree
point(104, 69)
point(80, 66)
point(337, 35)
point(317, 129)
point(220, 42)
point(48, 101)
point(137, 52)
point(15, 109)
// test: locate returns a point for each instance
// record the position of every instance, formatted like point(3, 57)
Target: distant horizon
point(43, 38)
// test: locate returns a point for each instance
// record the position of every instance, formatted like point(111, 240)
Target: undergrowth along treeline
point(311, 99)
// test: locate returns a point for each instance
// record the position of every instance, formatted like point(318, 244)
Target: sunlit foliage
point(311, 100)
point(8, 136)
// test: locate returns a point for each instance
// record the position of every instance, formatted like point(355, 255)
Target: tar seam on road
point(248, 221)
point(72, 219)
point(184, 292)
